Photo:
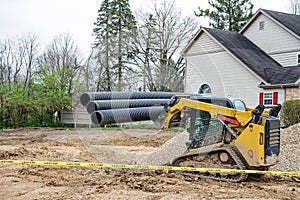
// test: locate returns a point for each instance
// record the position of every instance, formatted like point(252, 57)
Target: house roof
point(290, 22)
point(285, 75)
point(251, 56)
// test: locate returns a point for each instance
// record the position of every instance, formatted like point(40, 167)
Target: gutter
point(288, 85)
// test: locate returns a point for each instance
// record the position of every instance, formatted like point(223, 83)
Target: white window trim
point(261, 25)
point(203, 92)
point(298, 59)
point(270, 98)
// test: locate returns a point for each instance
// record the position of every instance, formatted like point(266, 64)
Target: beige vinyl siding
point(286, 59)
point(204, 44)
point(224, 74)
point(76, 116)
point(201, 69)
point(274, 40)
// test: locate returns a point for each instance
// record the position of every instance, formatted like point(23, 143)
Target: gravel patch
point(140, 155)
point(168, 151)
point(289, 150)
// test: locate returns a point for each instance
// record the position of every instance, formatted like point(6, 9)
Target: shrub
point(290, 112)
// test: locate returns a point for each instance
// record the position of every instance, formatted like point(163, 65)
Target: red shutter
point(261, 98)
point(275, 98)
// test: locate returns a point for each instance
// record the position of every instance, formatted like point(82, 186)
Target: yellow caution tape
point(145, 167)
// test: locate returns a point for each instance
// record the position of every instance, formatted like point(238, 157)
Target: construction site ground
point(128, 146)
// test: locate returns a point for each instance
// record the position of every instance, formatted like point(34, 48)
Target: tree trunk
point(120, 59)
point(107, 70)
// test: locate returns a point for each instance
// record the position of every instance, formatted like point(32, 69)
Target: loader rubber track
point(210, 159)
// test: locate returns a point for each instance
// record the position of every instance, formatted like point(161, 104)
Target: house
point(278, 34)
point(243, 65)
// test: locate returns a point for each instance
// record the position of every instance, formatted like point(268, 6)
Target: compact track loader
point(225, 134)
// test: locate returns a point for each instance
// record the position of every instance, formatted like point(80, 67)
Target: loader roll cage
point(229, 110)
point(223, 108)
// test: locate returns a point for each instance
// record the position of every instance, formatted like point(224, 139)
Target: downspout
point(284, 93)
point(185, 74)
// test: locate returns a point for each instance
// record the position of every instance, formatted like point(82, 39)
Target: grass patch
point(141, 126)
point(177, 129)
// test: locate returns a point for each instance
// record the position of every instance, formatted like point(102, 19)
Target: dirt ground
point(124, 146)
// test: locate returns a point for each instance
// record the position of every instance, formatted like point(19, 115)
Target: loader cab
point(205, 130)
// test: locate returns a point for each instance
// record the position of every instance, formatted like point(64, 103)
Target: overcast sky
point(49, 18)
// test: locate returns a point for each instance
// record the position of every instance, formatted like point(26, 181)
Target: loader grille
point(272, 133)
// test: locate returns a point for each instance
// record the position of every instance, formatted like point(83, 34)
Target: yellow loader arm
point(232, 115)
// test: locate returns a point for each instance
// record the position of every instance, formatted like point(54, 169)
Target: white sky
point(49, 18)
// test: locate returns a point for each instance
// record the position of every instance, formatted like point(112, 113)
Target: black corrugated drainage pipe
point(85, 98)
point(103, 117)
point(129, 103)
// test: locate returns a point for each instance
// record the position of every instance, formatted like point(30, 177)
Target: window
point(262, 25)
point(239, 105)
point(204, 89)
point(298, 59)
point(268, 98)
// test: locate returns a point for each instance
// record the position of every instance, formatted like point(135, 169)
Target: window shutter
point(261, 98)
point(275, 98)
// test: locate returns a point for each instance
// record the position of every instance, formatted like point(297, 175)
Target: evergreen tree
point(229, 15)
point(125, 30)
point(115, 27)
point(103, 32)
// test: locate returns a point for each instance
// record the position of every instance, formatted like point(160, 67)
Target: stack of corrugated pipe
point(120, 107)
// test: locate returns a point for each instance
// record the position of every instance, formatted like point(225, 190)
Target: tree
point(17, 65)
point(33, 85)
point(229, 15)
point(62, 57)
point(103, 32)
point(125, 30)
point(295, 6)
point(161, 35)
point(58, 68)
point(115, 27)
point(30, 43)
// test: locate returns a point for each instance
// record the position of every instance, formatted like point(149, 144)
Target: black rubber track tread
point(234, 156)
